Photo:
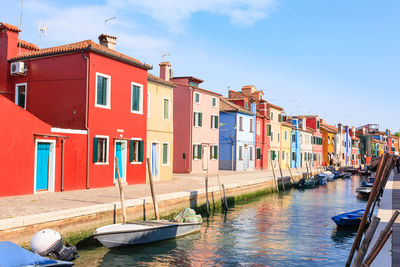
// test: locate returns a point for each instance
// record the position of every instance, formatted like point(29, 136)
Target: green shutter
point(166, 111)
point(199, 151)
point(194, 155)
point(140, 151)
point(216, 122)
point(258, 153)
point(131, 148)
point(194, 118)
point(216, 152)
point(95, 149)
point(135, 97)
point(200, 119)
point(269, 130)
point(165, 153)
point(100, 90)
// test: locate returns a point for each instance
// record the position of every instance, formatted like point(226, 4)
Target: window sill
point(101, 163)
point(196, 159)
point(137, 112)
point(136, 163)
point(101, 106)
point(165, 164)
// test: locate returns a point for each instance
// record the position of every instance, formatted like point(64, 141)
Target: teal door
point(42, 166)
point(118, 154)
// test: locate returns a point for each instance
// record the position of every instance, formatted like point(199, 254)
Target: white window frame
point(216, 103)
point(194, 98)
point(240, 153)
point(148, 104)
point(137, 152)
point(194, 118)
point(16, 93)
point(141, 98)
point(52, 165)
point(169, 109)
point(213, 117)
point(107, 151)
point(108, 105)
point(251, 151)
point(241, 124)
point(212, 151)
point(168, 156)
point(195, 145)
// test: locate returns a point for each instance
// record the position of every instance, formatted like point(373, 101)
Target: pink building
point(196, 124)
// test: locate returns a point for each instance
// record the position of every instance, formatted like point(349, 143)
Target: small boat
point(363, 172)
point(305, 183)
point(13, 255)
point(352, 170)
point(320, 179)
point(352, 218)
point(345, 175)
point(336, 174)
point(363, 192)
point(329, 175)
point(142, 232)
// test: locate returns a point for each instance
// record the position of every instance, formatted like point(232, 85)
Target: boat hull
point(348, 219)
point(117, 235)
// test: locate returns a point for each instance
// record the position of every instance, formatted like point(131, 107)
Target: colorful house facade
point(314, 123)
point(328, 143)
point(88, 89)
point(262, 138)
point(286, 144)
point(306, 147)
point(160, 137)
point(275, 114)
point(196, 125)
point(295, 150)
point(237, 146)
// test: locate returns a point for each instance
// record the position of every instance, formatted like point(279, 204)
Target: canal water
point(288, 229)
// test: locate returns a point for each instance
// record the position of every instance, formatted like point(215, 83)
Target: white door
point(246, 157)
point(206, 156)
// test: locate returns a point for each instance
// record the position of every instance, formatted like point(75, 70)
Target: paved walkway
point(19, 206)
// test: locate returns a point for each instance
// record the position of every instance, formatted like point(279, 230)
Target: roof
point(86, 45)
point(27, 45)
point(261, 115)
point(274, 106)
point(329, 128)
point(287, 124)
point(152, 78)
point(310, 129)
point(9, 27)
point(198, 89)
point(225, 105)
point(190, 78)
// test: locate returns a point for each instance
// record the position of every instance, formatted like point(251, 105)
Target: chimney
point(263, 108)
point(108, 41)
point(248, 89)
point(353, 130)
point(339, 126)
point(165, 71)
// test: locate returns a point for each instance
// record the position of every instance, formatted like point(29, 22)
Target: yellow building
point(286, 135)
point(275, 114)
point(328, 143)
point(160, 127)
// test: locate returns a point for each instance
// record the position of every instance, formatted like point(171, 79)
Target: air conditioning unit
point(17, 68)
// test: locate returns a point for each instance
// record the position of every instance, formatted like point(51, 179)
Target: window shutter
point(212, 121)
point(216, 122)
point(194, 149)
point(140, 151)
point(165, 153)
point(194, 118)
point(200, 119)
point(95, 149)
point(216, 152)
point(199, 151)
point(131, 147)
point(99, 90)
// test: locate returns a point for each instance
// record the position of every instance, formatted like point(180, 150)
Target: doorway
point(44, 165)
point(120, 153)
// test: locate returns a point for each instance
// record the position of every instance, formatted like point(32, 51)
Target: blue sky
point(339, 59)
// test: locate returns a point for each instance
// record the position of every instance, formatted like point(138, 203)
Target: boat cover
point(188, 215)
point(12, 255)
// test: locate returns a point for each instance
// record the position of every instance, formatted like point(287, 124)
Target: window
point(246, 105)
point(137, 98)
point(258, 153)
point(258, 128)
point(20, 95)
point(329, 140)
point(135, 151)
point(272, 154)
point(165, 150)
point(198, 119)
point(197, 98)
point(213, 102)
point(251, 153)
point(214, 122)
point(166, 109)
point(100, 149)
point(283, 155)
point(272, 136)
point(294, 156)
point(240, 153)
point(197, 151)
point(103, 84)
point(285, 135)
point(279, 117)
point(317, 124)
point(213, 152)
point(269, 132)
point(272, 116)
point(240, 123)
point(294, 138)
point(148, 105)
point(279, 135)
point(251, 126)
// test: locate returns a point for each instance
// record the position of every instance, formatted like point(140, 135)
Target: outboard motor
point(48, 242)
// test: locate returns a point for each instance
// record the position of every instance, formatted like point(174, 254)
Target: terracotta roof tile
point(288, 124)
point(79, 46)
point(329, 128)
point(9, 27)
point(225, 105)
point(27, 45)
point(153, 78)
point(274, 106)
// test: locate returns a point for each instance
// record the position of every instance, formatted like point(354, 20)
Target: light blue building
point(236, 137)
point(295, 156)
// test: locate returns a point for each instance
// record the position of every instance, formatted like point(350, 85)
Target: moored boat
point(320, 179)
point(305, 183)
point(13, 255)
point(352, 218)
point(142, 232)
point(363, 192)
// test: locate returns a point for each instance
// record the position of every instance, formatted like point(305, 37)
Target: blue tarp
point(12, 255)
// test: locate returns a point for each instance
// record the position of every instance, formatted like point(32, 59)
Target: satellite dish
point(43, 29)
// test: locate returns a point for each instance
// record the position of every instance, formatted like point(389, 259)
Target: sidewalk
point(20, 211)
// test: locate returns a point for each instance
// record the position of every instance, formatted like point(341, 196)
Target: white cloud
point(175, 13)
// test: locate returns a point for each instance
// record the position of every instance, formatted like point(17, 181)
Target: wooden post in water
point(290, 172)
point(280, 170)
point(307, 168)
point(365, 244)
point(382, 235)
point(361, 227)
point(273, 172)
point(225, 201)
point(220, 190)
point(153, 195)
point(121, 193)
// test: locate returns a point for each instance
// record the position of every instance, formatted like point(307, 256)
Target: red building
point(81, 88)
point(314, 123)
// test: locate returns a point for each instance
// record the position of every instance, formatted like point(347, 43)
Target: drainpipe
point(62, 165)
point(190, 131)
point(86, 120)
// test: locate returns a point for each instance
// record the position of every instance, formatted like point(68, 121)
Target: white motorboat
point(142, 232)
point(329, 175)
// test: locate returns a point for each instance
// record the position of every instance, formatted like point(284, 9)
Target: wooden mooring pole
point(280, 170)
point(121, 193)
point(361, 227)
point(273, 172)
point(153, 195)
point(290, 172)
point(225, 201)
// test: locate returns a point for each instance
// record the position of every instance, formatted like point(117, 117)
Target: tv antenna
point(164, 55)
point(43, 29)
point(107, 20)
